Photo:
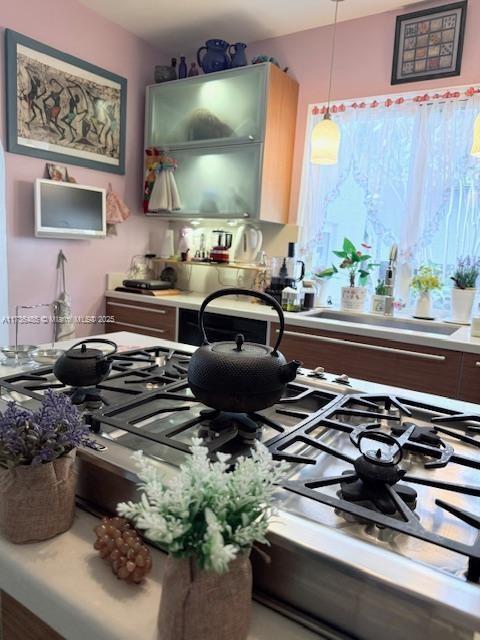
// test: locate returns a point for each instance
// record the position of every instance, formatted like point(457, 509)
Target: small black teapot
point(239, 376)
point(84, 367)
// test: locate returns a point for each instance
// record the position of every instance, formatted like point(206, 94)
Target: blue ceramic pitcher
point(239, 59)
point(216, 57)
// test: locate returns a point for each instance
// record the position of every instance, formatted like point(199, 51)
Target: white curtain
point(404, 175)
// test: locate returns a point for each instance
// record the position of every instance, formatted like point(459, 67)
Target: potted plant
point(37, 478)
point(378, 300)
point(423, 283)
point(356, 264)
point(463, 292)
point(207, 519)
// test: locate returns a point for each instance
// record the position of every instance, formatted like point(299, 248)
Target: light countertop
point(65, 583)
point(460, 340)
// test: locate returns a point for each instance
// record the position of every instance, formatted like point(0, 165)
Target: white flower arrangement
point(206, 511)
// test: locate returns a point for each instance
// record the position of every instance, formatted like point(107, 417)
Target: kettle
point(238, 376)
point(248, 242)
point(84, 367)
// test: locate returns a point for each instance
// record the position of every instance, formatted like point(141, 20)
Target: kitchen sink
point(422, 326)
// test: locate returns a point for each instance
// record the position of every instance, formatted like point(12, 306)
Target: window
point(405, 175)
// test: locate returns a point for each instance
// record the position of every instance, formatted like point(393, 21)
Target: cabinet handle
point(370, 347)
point(139, 326)
point(133, 306)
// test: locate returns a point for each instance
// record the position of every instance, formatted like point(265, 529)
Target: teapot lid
point(241, 347)
point(84, 353)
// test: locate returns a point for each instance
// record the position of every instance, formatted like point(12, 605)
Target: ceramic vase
point(215, 58)
point(423, 308)
point(203, 605)
point(37, 502)
point(378, 304)
point(353, 298)
point(462, 305)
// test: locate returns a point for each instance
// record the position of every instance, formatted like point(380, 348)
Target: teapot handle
point(243, 292)
point(198, 56)
point(98, 340)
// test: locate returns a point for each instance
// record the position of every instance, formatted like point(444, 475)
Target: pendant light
point(326, 134)
point(475, 150)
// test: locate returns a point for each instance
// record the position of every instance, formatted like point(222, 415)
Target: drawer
point(470, 378)
point(155, 320)
point(165, 334)
point(395, 363)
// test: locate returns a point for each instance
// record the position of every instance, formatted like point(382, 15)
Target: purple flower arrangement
point(466, 273)
point(32, 438)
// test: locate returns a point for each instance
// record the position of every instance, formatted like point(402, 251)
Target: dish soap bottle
point(475, 325)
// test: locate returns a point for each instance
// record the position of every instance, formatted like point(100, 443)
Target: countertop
point(460, 340)
point(65, 583)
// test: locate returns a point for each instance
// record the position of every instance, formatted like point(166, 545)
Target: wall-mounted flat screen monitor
point(68, 210)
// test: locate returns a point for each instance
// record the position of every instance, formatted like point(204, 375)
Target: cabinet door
point(219, 182)
point(470, 378)
point(225, 107)
point(392, 363)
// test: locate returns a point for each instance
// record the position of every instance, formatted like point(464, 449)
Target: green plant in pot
point(206, 518)
point(423, 283)
point(37, 478)
point(358, 265)
point(464, 289)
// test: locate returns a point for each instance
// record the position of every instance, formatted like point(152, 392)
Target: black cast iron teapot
point(84, 367)
point(239, 376)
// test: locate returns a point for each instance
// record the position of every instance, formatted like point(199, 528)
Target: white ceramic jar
point(353, 298)
point(462, 305)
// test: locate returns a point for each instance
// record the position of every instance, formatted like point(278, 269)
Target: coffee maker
point(286, 271)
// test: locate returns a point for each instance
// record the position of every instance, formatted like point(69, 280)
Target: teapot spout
point(288, 371)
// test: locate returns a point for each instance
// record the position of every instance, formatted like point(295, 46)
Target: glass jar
point(291, 299)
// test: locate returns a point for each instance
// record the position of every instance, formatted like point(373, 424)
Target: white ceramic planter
point(462, 304)
point(423, 307)
point(353, 298)
point(378, 304)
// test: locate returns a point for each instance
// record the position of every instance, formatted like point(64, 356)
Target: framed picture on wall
point(63, 109)
point(429, 43)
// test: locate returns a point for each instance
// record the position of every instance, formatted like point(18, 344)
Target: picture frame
point(62, 108)
point(429, 43)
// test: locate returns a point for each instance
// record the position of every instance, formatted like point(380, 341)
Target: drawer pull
point(139, 326)
point(370, 347)
point(132, 306)
point(477, 364)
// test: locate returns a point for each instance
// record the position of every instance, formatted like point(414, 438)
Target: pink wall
point(71, 27)
point(363, 66)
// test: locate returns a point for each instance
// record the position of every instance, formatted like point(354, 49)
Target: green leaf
point(340, 254)
point(355, 257)
point(326, 273)
point(364, 257)
point(348, 246)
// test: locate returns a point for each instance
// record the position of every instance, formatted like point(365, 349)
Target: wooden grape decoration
point(119, 543)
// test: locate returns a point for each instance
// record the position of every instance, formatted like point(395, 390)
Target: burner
point(423, 435)
point(234, 425)
point(90, 396)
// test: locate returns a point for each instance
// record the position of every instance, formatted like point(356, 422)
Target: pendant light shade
point(325, 142)
point(475, 150)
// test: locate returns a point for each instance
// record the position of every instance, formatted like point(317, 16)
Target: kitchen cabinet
point(232, 134)
point(399, 364)
point(154, 320)
point(469, 388)
point(219, 327)
point(18, 623)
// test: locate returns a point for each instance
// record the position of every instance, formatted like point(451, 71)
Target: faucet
point(390, 280)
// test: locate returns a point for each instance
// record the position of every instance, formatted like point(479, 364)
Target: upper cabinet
point(232, 134)
point(212, 109)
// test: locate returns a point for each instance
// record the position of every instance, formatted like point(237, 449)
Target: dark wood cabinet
point(18, 623)
point(399, 364)
point(154, 320)
point(469, 388)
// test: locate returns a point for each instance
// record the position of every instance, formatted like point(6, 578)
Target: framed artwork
point(429, 43)
point(63, 109)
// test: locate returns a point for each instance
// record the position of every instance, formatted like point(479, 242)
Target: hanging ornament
point(325, 142)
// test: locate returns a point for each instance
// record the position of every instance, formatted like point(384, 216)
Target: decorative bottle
point(174, 68)
point(193, 71)
point(182, 68)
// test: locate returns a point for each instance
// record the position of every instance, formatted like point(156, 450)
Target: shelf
point(217, 265)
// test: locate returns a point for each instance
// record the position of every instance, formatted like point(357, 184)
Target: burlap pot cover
point(37, 502)
point(202, 605)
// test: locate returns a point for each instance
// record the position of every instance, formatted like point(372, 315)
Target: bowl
point(20, 352)
point(47, 356)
